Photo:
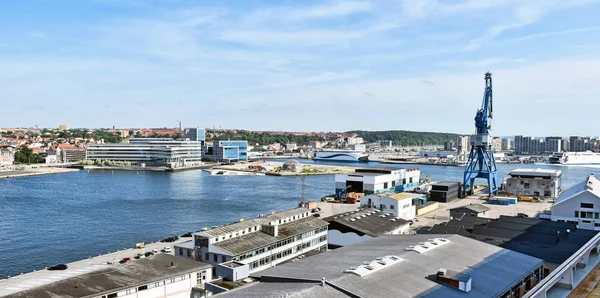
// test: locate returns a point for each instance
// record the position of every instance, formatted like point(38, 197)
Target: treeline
point(266, 139)
point(407, 138)
point(108, 136)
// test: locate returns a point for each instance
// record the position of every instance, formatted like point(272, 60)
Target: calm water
point(45, 220)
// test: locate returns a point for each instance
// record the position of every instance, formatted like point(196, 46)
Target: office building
point(553, 144)
point(354, 140)
point(150, 152)
point(534, 183)
point(263, 242)
point(507, 144)
point(376, 180)
point(580, 205)
point(227, 151)
point(62, 127)
point(402, 266)
point(579, 144)
point(195, 134)
point(291, 146)
point(72, 154)
point(161, 275)
point(565, 145)
point(448, 145)
point(316, 144)
point(399, 205)
point(364, 224)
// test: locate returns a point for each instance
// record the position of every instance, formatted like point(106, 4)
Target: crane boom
point(481, 163)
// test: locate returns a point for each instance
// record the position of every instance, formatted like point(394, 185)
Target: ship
point(575, 158)
point(341, 155)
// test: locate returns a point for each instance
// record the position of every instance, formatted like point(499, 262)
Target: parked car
point(112, 262)
point(140, 256)
point(125, 260)
point(166, 249)
point(170, 239)
point(186, 235)
point(155, 250)
point(522, 215)
point(149, 253)
point(59, 267)
point(317, 215)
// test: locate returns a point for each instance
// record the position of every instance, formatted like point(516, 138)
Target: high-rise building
point(62, 127)
point(565, 145)
point(463, 145)
point(518, 144)
point(507, 144)
point(448, 145)
point(553, 144)
point(579, 144)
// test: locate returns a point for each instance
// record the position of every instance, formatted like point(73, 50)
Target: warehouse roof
point(493, 270)
point(591, 184)
point(116, 278)
point(547, 240)
point(255, 222)
point(474, 207)
point(367, 221)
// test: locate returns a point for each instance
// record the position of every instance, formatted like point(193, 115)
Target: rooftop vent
point(352, 219)
point(369, 267)
point(422, 247)
point(454, 279)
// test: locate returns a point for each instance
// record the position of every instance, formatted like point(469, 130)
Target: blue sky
point(301, 65)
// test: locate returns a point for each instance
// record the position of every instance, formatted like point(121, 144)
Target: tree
point(26, 155)
point(131, 132)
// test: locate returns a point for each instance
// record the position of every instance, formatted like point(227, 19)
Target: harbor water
point(51, 219)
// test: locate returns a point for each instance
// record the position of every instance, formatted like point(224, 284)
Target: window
point(393, 183)
point(223, 259)
point(143, 288)
point(215, 258)
point(587, 205)
point(114, 295)
point(596, 215)
point(206, 257)
point(391, 206)
point(576, 213)
point(385, 185)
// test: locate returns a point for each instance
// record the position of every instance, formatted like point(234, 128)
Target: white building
point(149, 151)
point(580, 204)
point(291, 146)
point(377, 180)
point(534, 182)
point(354, 140)
point(161, 275)
point(463, 145)
point(7, 157)
point(262, 242)
point(399, 205)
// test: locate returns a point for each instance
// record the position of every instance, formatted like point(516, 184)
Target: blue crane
point(481, 163)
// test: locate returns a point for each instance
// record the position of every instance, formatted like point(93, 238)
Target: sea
point(60, 218)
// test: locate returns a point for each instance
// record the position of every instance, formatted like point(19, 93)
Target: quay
point(34, 172)
point(146, 168)
point(281, 169)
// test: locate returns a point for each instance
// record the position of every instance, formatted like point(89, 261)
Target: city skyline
point(325, 66)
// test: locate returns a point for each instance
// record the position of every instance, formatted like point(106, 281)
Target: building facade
point(507, 144)
point(227, 151)
point(149, 151)
point(580, 204)
point(194, 134)
point(469, 211)
point(399, 205)
point(553, 144)
point(68, 155)
point(263, 242)
point(377, 180)
point(463, 145)
point(534, 183)
point(579, 144)
point(7, 157)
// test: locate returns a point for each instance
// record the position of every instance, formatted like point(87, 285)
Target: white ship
point(575, 158)
point(341, 155)
point(232, 173)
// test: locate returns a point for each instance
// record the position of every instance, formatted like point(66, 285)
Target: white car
point(167, 249)
point(155, 250)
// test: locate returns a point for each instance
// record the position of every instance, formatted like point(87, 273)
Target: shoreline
point(35, 172)
point(148, 169)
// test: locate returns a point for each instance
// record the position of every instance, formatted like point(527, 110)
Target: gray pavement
point(37, 278)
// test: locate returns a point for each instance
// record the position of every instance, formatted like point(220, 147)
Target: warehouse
point(376, 180)
point(534, 182)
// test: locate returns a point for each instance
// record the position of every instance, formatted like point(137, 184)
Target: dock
point(276, 169)
point(34, 172)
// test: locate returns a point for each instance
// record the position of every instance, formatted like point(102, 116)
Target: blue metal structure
point(481, 163)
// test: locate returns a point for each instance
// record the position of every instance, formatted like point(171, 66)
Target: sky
point(301, 65)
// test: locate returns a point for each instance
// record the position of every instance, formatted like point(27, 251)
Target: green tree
point(26, 155)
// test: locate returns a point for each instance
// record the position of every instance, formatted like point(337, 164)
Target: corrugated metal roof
point(372, 225)
point(255, 222)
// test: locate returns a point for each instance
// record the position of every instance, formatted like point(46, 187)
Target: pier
point(34, 172)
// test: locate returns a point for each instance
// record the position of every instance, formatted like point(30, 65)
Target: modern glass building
point(227, 151)
point(194, 134)
point(149, 151)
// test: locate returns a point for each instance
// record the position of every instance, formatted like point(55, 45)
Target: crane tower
point(481, 163)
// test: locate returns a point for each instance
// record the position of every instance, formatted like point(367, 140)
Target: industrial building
point(471, 210)
point(161, 275)
point(444, 191)
point(377, 180)
point(402, 266)
point(149, 151)
point(262, 242)
point(534, 183)
point(226, 151)
point(399, 205)
point(363, 224)
point(553, 242)
point(580, 205)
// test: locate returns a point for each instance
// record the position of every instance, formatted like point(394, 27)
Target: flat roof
point(251, 241)
point(535, 172)
point(493, 270)
point(230, 228)
point(116, 278)
point(544, 239)
point(371, 224)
